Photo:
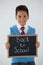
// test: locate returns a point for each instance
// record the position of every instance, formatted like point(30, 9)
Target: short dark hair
point(22, 8)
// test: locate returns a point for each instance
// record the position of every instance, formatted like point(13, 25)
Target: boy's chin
point(22, 24)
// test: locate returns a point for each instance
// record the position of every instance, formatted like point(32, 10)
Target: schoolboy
point(22, 15)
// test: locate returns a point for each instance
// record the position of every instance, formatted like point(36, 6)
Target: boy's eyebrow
point(23, 16)
point(20, 15)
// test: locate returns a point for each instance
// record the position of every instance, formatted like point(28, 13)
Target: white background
point(7, 19)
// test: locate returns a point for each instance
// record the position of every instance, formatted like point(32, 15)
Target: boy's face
point(22, 17)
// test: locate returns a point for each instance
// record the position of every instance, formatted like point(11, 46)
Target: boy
point(22, 15)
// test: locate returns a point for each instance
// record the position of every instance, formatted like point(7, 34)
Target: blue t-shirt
point(14, 31)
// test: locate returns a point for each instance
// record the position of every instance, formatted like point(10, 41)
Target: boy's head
point(22, 14)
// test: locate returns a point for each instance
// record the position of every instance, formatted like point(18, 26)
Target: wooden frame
point(21, 39)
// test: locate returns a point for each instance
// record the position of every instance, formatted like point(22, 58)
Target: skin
point(22, 17)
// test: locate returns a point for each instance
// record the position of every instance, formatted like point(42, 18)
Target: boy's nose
point(22, 18)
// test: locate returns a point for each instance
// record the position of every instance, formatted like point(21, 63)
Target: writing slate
point(22, 45)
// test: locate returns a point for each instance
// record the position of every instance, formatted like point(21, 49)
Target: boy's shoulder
point(31, 29)
point(13, 27)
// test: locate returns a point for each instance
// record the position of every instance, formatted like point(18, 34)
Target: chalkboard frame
point(24, 55)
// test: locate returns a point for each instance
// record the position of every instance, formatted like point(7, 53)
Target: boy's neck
point(20, 24)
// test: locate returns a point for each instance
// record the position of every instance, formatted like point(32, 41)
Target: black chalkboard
point(22, 45)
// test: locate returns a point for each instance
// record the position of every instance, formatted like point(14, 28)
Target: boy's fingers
point(37, 44)
point(7, 45)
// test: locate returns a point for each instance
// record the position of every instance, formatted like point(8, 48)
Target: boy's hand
point(7, 45)
point(37, 44)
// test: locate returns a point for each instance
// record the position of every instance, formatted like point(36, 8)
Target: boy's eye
point(19, 16)
point(25, 16)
